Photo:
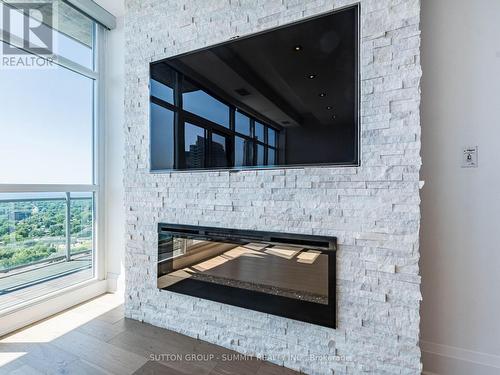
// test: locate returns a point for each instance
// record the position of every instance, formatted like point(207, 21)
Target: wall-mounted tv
point(286, 97)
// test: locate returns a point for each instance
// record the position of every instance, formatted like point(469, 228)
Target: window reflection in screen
point(162, 137)
point(241, 123)
point(218, 149)
point(271, 156)
point(259, 131)
point(206, 106)
point(243, 152)
point(194, 146)
point(260, 155)
point(271, 137)
point(162, 91)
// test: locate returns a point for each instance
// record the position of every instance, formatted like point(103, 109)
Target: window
point(50, 137)
point(193, 129)
point(49, 158)
point(271, 137)
point(218, 151)
point(199, 102)
point(162, 137)
point(242, 124)
point(260, 155)
point(259, 131)
point(162, 91)
point(271, 156)
point(194, 141)
point(162, 84)
point(243, 152)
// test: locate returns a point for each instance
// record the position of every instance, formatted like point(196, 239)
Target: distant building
point(195, 157)
point(19, 215)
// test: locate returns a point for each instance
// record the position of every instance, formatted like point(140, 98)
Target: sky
point(46, 122)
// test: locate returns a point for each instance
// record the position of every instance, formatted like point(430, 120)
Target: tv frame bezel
point(357, 101)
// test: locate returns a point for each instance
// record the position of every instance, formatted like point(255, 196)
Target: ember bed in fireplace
point(290, 275)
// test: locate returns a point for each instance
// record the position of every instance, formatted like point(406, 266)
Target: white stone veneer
point(373, 209)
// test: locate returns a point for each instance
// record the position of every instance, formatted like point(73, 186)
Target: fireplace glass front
point(289, 275)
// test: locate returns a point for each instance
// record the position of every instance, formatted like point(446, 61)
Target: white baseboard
point(49, 305)
point(483, 363)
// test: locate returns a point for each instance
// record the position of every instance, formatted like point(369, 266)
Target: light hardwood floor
point(94, 338)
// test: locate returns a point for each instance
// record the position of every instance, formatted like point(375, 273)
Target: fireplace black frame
point(306, 311)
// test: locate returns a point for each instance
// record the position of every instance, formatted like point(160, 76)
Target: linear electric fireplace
point(289, 275)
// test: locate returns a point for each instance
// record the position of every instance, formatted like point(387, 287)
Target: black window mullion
point(179, 145)
point(208, 148)
point(254, 144)
point(252, 128)
point(204, 123)
point(232, 118)
point(162, 103)
point(231, 140)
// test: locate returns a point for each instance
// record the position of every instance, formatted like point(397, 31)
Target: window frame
point(96, 188)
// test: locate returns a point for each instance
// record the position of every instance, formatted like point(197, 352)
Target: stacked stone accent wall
point(374, 209)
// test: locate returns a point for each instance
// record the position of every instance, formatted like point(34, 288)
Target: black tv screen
point(286, 97)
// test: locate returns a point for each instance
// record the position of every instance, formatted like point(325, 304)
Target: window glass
point(82, 222)
point(194, 146)
point(161, 91)
point(271, 137)
point(218, 151)
point(31, 229)
point(73, 38)
point(162, 138)
point(259, 131)
point(75, 35)
point(46, 139)
point(243, 152)
point(162, 82)
point(35, 258)
point(74, 50)
point(48, 124)
point(204, 105)
point(260, 155)
point(271, 156)
point(241, 123)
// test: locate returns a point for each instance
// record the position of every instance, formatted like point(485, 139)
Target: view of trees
point(36, 230)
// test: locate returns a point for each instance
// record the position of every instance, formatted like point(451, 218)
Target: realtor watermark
point(28, 34)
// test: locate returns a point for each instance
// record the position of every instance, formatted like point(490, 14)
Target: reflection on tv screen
point(285, 97)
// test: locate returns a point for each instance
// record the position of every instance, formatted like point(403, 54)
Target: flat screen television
point(286, 97)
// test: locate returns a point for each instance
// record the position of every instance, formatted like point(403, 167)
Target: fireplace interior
point(290, 275)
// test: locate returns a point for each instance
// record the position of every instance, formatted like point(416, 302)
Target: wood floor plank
point(108, 357)
point(48, 358)
point(113, 315)
point(82, 367)
point(95, 339)
point(156, 368)
point(101, 329)
point(272, 369)
point(237, 367)
point(25, 370)
point(174, 354)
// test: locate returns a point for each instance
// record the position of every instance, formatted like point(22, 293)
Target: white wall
point(460, 234)
point(115, 145)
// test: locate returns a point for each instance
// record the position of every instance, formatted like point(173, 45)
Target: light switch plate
point(469, 159)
